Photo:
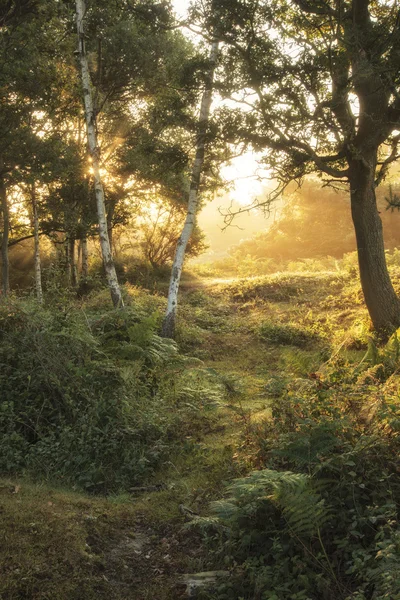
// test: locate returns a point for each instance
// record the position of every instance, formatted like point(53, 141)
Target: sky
point(180, 7)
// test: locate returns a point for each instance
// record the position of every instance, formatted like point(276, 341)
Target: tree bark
point(168, 328)
point(381, 299)
point(94, 153)
point(38, 266)
point(110, 217)
point(67, 259)
point(4, 241)
point(85, 258)
point(72, 261)
point(79, 257)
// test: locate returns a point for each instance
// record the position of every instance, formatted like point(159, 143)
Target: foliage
point(286, 334)
point(313, 224)
point(321, 521)
point(86, 401)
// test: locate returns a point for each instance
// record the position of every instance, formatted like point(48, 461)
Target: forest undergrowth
point(264, 443)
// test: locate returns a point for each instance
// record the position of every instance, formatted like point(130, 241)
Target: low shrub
point(87, 400)
point(320, 520)
point(286, 334)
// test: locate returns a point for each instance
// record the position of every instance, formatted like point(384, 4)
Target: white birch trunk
point(38, 266)
point(168, 328)
point(91, 129)
point(5, 274)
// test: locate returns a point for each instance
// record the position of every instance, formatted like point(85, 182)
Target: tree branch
point(316, 8)
point(25, 237)
point(393, 156)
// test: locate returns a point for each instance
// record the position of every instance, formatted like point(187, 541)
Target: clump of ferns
point(265, 502)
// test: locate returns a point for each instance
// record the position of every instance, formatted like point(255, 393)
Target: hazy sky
point(180, 7)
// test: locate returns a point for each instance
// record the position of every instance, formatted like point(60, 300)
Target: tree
point(141, 101)
point(5, 234)
point(91, 127)
point(159, 230)
point(168, 328)
point(142, 77)
point(35, 223)
point(322, 81)
point(35, 94)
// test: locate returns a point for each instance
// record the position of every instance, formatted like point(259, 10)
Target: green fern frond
point(391, 352)
point(293, 494)
point(372, 355)
point(225, 510)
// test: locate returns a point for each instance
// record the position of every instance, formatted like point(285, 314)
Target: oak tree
point(320, 85)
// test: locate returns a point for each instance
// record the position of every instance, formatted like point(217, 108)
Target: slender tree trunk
point(90, 117)
point(79, 257)
point(38, 266)
point(110, 217)
point(67, 259)
point(72, 261)
point(5, 237)
point(85, 258)
point(381, 300)
point(168, 328)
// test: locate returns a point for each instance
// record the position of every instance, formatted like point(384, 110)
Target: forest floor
point(247, 333)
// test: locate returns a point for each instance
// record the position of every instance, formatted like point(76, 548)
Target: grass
point(65, 545)
point(47, 537)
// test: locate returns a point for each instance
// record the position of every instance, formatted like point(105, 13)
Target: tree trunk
point(168, 328)
point(67, 259)
point(4, 241)
point(38, 266)
point(110, 217)
point(79, 256)
point(85, 258)
point(381, 300)
point(72, 262)
point(94, 153)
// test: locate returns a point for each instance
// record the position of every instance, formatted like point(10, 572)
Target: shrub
point(86, 401)
point(286, 334)
point(320, 521)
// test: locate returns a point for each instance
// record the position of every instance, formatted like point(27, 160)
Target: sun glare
point(248, 179)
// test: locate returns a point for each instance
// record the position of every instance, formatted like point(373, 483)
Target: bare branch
point(393, 156)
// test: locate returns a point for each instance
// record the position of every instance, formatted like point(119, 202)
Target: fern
point(292, 494)
point(135, 338)
point(388, 356)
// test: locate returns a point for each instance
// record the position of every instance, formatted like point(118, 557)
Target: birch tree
point(5, 270)
point(37, 262)
point(168, 328)
point(94, 153)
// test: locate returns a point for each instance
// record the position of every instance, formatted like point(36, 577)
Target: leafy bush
point(320, 522)
point(286, 334)
point(86, 400)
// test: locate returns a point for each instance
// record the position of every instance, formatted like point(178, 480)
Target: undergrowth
point(94, 401)
point(319, 519)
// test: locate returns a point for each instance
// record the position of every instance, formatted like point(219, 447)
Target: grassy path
point(64, 545)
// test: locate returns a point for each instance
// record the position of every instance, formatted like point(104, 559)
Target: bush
point(286, 334)
point(320, 521)
point(86, 401)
